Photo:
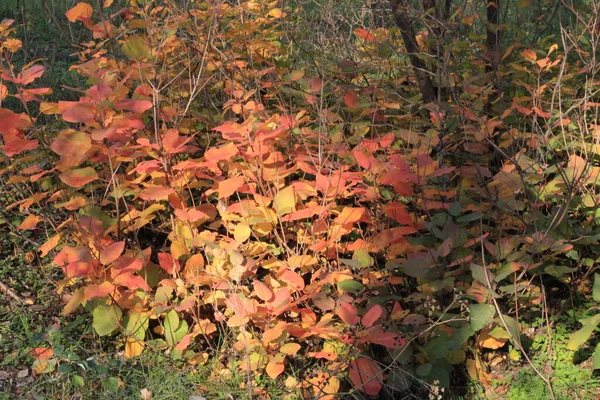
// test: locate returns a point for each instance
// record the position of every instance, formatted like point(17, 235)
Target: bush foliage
point(318, 194)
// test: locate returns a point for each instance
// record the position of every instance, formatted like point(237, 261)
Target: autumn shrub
point(213, 181)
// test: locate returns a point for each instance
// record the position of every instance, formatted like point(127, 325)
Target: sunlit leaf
point(106, 319)
point(79, 12)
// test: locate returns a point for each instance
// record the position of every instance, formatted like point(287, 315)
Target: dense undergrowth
point(293, 200)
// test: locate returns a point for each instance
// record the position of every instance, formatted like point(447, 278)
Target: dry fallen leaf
point(145, 394)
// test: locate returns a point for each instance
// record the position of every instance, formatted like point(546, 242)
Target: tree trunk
point(405, 24)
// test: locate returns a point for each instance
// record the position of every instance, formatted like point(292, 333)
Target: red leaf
point(372, 316)
point(29, 75)
point(102, 290)
point(366, 375)
point(112, 252)
point(347, 312)
point(16, 143)
point(168, 263)
point(138, 106)
point(131, 281)
point(9, 121)
point(78, 269)
point(364, 34)
point(351, 98)
point(366, 161)
point(80, 12)
point(384, 338)
point(77, 112)
point(78, 177)
point(397, 211)
point(293, 279)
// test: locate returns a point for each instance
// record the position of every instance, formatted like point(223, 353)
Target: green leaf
point(596, 358)
point(481, 315)
point(77, 381)
point(112, 384)
point(350, 285)
point(461, 335)
point(106, 319)
point(136, 47)
point(513, 327)
point(136, 325)
point(596, 290)
point(438, 348)
point(479, 274)
point(175, 329)
point(363, 257)
point(582, 335)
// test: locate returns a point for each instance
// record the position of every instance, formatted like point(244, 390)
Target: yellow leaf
point(134, 347)
point(290, 348)
point(332, 387)
point(285, 201)
point(275, 13)
point(242, 232)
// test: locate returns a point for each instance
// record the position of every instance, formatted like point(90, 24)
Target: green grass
point(572, 376)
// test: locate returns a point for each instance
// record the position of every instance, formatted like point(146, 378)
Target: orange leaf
point(78, 177)
point(215, 154)
point(184, 343)
point(275, 368)
point(366, 375)
point(190, 215)
point(153, 193)
point(349, 215)
point(529, 55)
point(324, 354)
point(80, 12)
point(30, 222)
point(262, 291)
point(364, 34)
point(49, 245)
point(112, 252)
point(42, 353)
point(79, 112)
point(173, 143)
point(372, 316)
point(230, 186)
